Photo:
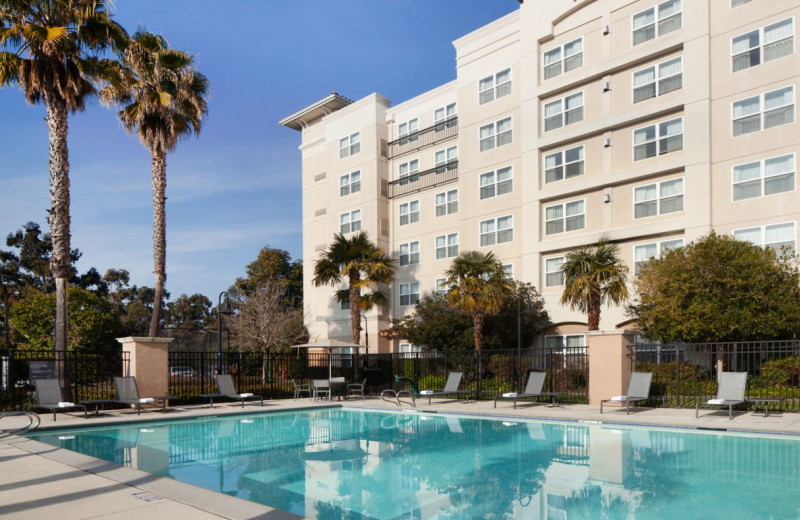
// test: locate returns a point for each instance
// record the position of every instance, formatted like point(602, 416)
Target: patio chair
point(227, 389)
point(730, 392)
point(300, 388)
point(356, 388)
point(533, 388)
point(128, 393)
point(638, 390)
point(450, 388)
point(48, 397)
point(321, 387)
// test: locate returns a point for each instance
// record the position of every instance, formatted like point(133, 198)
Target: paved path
point(41, 481)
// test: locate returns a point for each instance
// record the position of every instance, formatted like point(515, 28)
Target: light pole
point(6, 287)
point(366, 332)
point(220, 311)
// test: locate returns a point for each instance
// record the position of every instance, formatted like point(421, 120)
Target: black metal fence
point(685, 374)
point(90, 374)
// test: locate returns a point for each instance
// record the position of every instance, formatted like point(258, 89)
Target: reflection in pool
point(337, 463)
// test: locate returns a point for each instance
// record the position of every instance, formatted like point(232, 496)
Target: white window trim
point(657, 139)
point(563, 153)
point(446, 160)
point(761, 97)
point(763, 229)
point(563, 113)
point(546, 272)
point(411, 175)
point(446, 203)
point(350, 222)
point(509, 276)
point(447, 246)
point(494, 172)
point(409, 254)
point(349, 183)
point(409, 136)
point(659, 249)
point(657, 79)
point(564, 341)
point(400, 295)
point(494, 86)
point(761, 44)
point(349, 146)
point(496, 231)
point(444, 109)
point(494, 134)
point(437, 289)
point(564, 218)
point(763, 177)
point(658, 197)
point(656, 20)
point(563, 57)
point(418, 212)
point(740, 5)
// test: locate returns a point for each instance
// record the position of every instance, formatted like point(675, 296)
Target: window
point(563, 112)
point(446, 160)
point(409, 293)
point(565, 217)
point(509, 270)
point(495, 134)
point(350, 145)
point(440, 286)
point(658, 198)
point(447, 246)
point(350, 222)
point(497, 231)
point(445, 117)
point(658, 80)
point(737, 3)
point(496, 183)
point(644, 252)
point(656, 21)
point(494, 87)
point(778, 110)
point(409, 172)
point(345, 306)
point(409, 348)
point(563, 59)
point(763, 45)
point(558, 343)
point(446, 203)
point(409, 253)
point(553, 276)
point(407, 131)
point(658, 139)
point(564, 164)
point(776, 236)
point(409, 212)
point(349, 183)
point(767, 177)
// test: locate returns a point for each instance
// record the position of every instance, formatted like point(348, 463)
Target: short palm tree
point(594, 275)
point(50, 48)
point(363, 265)
point(477, 283)
point(165, 99)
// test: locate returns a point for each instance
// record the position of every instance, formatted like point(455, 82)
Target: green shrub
point(781, 372)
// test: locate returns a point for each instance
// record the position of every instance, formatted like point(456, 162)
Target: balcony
point(441, 131)
point(432, 178)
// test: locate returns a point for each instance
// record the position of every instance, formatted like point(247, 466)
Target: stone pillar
point(149, 364)
point(609, 363)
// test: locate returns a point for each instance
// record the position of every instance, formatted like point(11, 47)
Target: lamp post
point(220, 311)
point(6, 287)
point(366, 332)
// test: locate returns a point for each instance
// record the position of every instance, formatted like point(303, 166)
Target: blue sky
point(236, 188)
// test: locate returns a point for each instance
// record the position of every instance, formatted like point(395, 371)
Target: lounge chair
point(300, 388)
point(730, 392)
point(533, 388)
point(227, 389)
point(638, 390)
point(356, 389)
point(450, 388)
point(48, 397)
point(321, 386)
point(128, 393)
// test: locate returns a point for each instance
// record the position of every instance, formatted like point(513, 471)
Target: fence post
point(609, 363)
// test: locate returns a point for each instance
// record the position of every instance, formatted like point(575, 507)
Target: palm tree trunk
point(477, 327)
point(355, 310)
point(59, 222)
point(594, 313)
point(159, 235)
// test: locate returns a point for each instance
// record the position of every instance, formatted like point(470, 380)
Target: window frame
point(657, 139)
point(495, 86)
point(496, 231)
point(562, 58)
point(564, 216)
point(409, 295)
point(446, 204)
point(657, 79)
point(410, 175)
point(564, 163)
point(656, 20)
point(558, 271)
point(763, 177)
point(349, 183)
point(446, 249)
point(409, 213)
point(659, 197)
point(761, 44)
point(495, 184)
point(762, 112)
point(660, 244)
point(350, 221)
point(409, 135)
point(409, 254)
point(350, 145)
point(562, 113)
point(495, 135)
point(763, 233)
point(449, 162)
point(438, 288)
point(743, 2)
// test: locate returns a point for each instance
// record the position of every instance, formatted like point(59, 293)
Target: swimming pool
point(354, 464)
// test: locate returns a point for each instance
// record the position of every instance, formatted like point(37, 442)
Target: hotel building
point(649, 123)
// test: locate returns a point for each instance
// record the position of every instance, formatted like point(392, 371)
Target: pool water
point(352, 464)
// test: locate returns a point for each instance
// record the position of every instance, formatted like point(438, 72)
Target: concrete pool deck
point(40, 481)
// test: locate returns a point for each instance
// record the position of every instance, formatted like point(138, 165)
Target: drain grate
point(147, 496)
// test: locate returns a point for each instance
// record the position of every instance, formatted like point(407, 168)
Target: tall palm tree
point(50, 48)
point(594, 275)
point(165, 100)
point(363, 265)
point(477, 283)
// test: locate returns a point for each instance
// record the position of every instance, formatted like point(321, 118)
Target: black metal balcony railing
point(424, 180)
point(426, 137)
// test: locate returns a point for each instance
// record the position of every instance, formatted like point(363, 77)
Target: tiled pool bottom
point(338, 463)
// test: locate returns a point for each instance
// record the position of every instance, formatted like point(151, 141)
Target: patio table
point(766, 401)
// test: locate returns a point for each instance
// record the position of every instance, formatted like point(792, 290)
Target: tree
point(274, 267)
point(189, 313)
point(35, 254)
point(165, 100)
point(477, 284)
point(50, 50)
point(363, 265)
point(718, 289)
point(594, 275)
point(524, 303)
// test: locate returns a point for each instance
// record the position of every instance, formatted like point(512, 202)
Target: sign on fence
point(41, 370)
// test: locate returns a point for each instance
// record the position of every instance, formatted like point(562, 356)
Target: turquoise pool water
point(350, 464)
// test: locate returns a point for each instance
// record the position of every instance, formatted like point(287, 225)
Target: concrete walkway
point(40, 481)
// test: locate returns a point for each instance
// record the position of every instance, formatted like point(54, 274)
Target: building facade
point(648, 123)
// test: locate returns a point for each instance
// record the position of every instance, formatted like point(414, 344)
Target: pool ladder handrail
point(33, 422)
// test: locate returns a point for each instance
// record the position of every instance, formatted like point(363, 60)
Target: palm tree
point(165, 100)
point(363, 266)
point(50, 48)
point(477, 283)
point(594, 275)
